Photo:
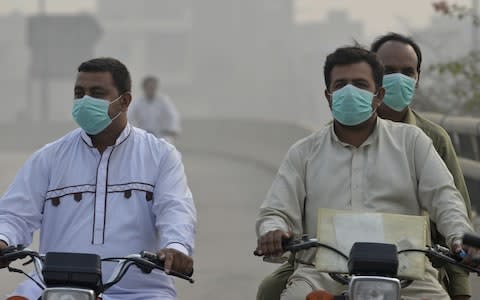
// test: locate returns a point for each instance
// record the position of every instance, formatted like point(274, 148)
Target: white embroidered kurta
point(132, 197)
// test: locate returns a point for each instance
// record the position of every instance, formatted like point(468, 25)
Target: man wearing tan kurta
point(372, 165)
point(401, 54)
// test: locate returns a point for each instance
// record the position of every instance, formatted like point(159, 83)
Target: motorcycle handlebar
point(285, 244)
point(153, 258)
point(146, 261)
point(13, 253)
point(296, 245)
point(438, 252)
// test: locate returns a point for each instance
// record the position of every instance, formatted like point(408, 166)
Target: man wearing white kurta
point(106, 188)
point(361, 163)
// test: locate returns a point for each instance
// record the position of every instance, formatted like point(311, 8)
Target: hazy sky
point(378, 15)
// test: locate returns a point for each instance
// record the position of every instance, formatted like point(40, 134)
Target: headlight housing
point(67, 294)
point(80, 270)
point(374, 288)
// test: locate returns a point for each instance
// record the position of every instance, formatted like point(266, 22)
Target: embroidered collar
point(121, 138)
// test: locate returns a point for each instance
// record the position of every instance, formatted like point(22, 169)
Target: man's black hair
point(149, 78)
point(353, 55)
point(392, 36)
point(120, 74)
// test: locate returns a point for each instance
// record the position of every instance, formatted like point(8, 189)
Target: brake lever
point(445, 256)
point(459, 256)
point(179, 275)
point(28, 262)
point(439, 256)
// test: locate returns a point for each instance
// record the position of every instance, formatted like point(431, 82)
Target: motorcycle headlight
point(374, 288)
point(67, 294)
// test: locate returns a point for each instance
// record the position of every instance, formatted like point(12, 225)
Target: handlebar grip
point(471, 240)
point(285, 244)
point(12, 253)
point(153, 257)
point(7, 250)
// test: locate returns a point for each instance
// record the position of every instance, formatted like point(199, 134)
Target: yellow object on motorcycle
point(342, 228)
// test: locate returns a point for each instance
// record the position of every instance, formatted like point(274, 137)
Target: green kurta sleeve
point(455, 279)
point(447, 153)
point(458, 279)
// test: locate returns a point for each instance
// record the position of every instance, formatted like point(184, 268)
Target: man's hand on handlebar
point(270, 244)
point(175, 260)
point(3, 245)
point(470, 255)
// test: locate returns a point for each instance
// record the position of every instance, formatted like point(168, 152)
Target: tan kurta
point(396, 170)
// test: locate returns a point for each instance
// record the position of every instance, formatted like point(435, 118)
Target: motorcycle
point(79, 275)
point(373, 267)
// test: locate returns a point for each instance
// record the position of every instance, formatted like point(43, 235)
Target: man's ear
point(418, 80)
point(328, 96)
point(126, 100)
point(378, 99)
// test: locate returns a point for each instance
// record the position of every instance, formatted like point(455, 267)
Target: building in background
point(224, 58)
point(228, 58)
point(216, 58)
point(14, 60)
point(151, 37)
point(38, 56)
point(58, 44)
point(313, 42)
point(243, 58)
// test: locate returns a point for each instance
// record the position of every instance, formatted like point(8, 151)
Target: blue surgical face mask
point(399, 90)
point(91, 114)
point(351, 105)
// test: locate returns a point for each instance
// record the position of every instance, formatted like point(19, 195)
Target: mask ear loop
point(375, 110)
point(117, 115)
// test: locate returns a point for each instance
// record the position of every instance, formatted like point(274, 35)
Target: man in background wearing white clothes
point(155, 113)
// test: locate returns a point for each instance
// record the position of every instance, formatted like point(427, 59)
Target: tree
point(457, 80)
